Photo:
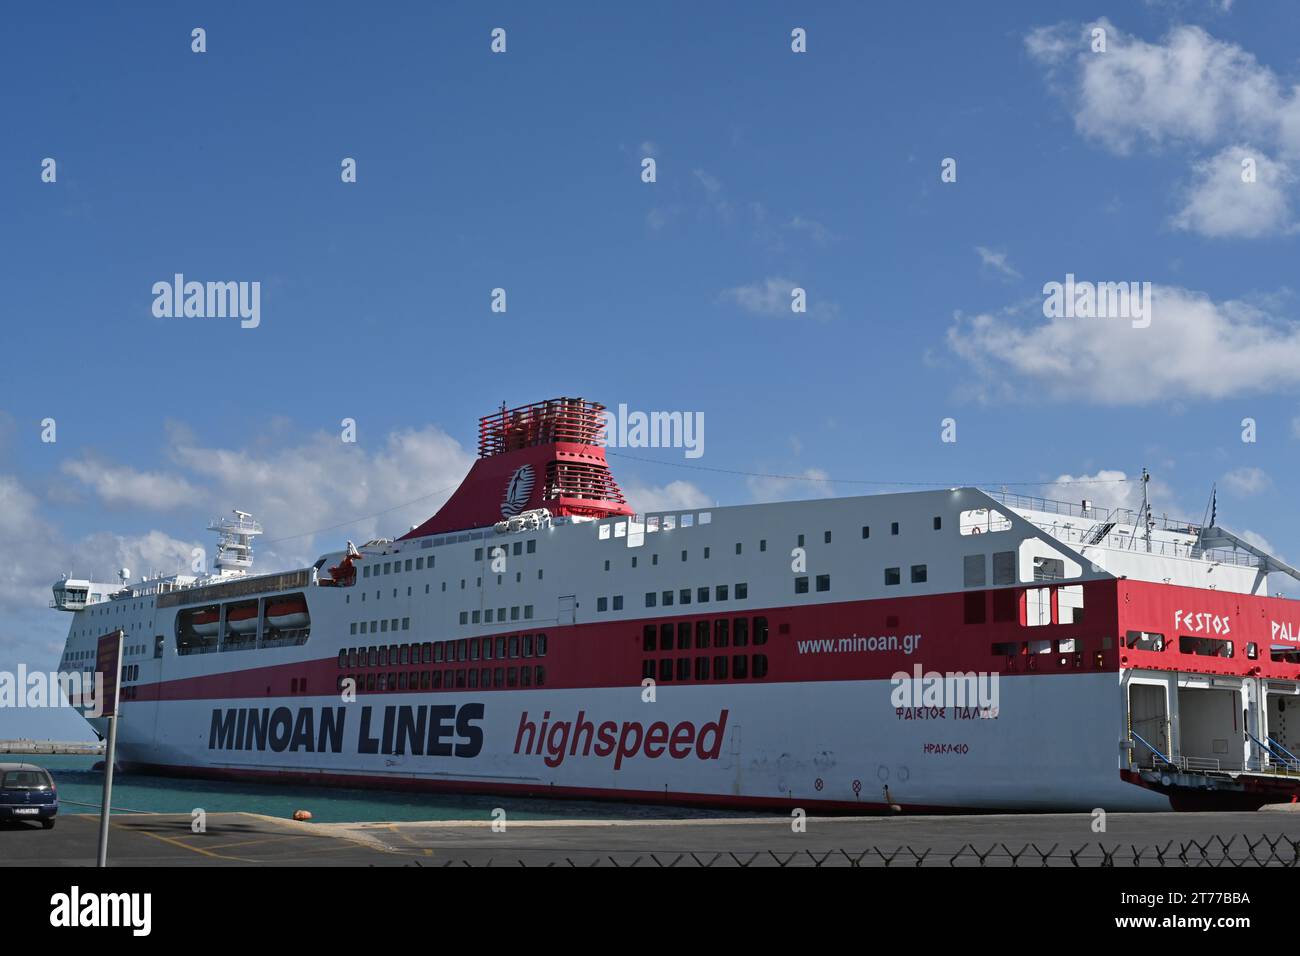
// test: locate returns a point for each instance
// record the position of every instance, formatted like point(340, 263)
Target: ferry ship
point(537, 637)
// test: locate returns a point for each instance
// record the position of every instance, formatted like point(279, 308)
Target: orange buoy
point(302, 814)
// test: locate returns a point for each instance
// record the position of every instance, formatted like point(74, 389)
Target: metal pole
point(110, 754)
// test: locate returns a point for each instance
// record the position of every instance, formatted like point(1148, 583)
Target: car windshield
point(25, 780)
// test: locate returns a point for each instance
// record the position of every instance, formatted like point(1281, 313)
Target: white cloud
point(809, 483)
point(710, 182)
point(815, 230)
point(1189, 90)
point(323, 481)
point(1246, 481)
point(1108, 488)
point(676, 495)
point(121, 485)
point(1194, 348)
point(772, 297)
point(1219, 204)
point(996, 260)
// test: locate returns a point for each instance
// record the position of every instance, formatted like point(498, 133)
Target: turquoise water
point(81, 789)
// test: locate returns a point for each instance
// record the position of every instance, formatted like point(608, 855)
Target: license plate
point(27, 811)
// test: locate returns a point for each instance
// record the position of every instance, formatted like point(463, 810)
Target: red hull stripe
point(863, 640)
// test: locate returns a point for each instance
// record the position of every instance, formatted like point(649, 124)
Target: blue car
point(27, 793)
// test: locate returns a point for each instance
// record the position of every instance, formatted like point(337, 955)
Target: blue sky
point(522, 171)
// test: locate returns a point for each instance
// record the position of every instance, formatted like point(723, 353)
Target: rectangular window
point(918, 573)
point(938, 523)
point(740, 631)
point(866, 531)
point(720, 592)
point(532, 547)
point(760, 666)
point(353, 629)
point(526, 645)
point(666, 637)
point(618, 602)
point(666, 669)
point(649, 636)
point(647, 669)
point(419, 564)
point(651, 599)
point(501, 648)
point(514, 645)
point(800, 585)
point(719, 668)
point(823, 582)
point(974, 612)
point(701, 595)
point(683, 635)
point(742, 591)
point(512, 677)
point(701, 634)
point(602, 604)
point(973, 566)
point(739, 666)
point(473, 679)
point(701, 668)
point(668, 598)
point(1006, 606)
point(408, 564)
point(721, 632)
point(683, 668)
point(1004, 567)
point(760, 631)
point(541, 647)
point(893, 576)
point(684, 596)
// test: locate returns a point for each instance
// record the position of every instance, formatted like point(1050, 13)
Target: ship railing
point(1273, 756)
point(1197, 763)
point(1118, 515)
point(291, 638)
point(1154, 751)
point(1130, 542)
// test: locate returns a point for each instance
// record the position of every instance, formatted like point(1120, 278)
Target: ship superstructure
point(939, 650)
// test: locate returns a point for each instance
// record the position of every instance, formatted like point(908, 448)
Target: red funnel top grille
point(546, 455)
point(542, 423)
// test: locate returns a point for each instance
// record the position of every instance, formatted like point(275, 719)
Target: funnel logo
point(517, 492)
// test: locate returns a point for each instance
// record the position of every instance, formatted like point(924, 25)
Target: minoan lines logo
point(517, 492)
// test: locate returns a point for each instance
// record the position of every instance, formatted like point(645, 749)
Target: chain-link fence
point(1236, 851)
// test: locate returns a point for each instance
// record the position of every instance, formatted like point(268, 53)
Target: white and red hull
point(741, 657)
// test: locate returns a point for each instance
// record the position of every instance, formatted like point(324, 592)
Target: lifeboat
point(241, 620)
point(205, 623)
point(287, 614)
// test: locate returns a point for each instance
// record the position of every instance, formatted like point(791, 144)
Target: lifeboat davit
point(288, 614)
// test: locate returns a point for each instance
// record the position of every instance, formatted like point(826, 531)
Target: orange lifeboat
point(287, 614)
point(205, 623)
